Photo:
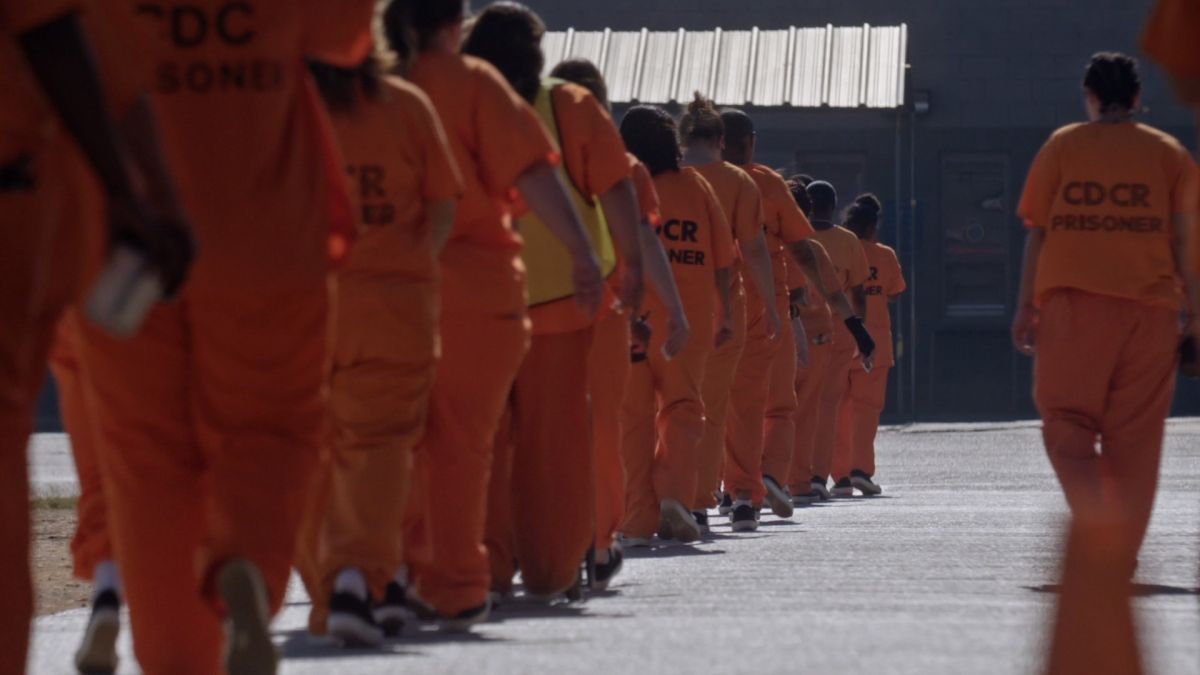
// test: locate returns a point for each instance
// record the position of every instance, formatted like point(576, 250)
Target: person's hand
point(589, 282)
point(163, 233)
point(774, 326)
point(633, 288)
point(802, 350)
point(724, 331)
point(868, 363)
point(678, 334)
point(866, 344)
point(1024, 330)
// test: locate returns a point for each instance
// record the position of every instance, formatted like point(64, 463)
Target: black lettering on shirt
point(1121, 195)
point(685, 256)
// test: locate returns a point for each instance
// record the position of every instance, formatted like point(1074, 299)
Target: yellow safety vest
point(547, 261)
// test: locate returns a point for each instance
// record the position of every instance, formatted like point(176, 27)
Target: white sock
point(739, 502)
point(106, 577)
point(351, 580)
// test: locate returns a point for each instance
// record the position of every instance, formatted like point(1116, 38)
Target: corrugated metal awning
point(838, 67)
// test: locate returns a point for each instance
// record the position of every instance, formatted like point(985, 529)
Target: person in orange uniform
point(217, 405)
point(662, 417)
point(404, 186)
point(608, 361)
point(552, 513)
point(816, 316)
point(759, 444)
point(498, 143)
point(1104, 196)
point(852, 270)
point(702, 133)
point(54, 88)
point(866, 393)
point(1170, 39)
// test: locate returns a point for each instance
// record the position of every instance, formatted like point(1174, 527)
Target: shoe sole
point(464, 625)
point(683, 527)
point(869, 490)
point(805, 500)
point(745, 526)
point(353, 631)
point(780, 501)
point(251, 651)
point(97, 653)
point(842, 492)
point(393, 620)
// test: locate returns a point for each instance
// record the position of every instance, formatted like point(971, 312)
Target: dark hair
point(650, 134)
point(585, 74)
point(1113, 77)
point(409, 25)
point(823, 196)
point(509, 36)
point(701, 122)
point(803, 179)
point(799, 190)
point(862, 217)
point(342, 88)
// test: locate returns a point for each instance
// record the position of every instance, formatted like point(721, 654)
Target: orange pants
point(779, 430)
point(77, 404)
point(1105, 371)
point(718, 376)
point(549, 520)
point(858, 420)
point(662, 422)
point(217, 407)
point(42, 244)
point(608, 371)
point(498, 538)
point(382, 373)
point(748, 406)
point(837, 381)
point(480, 358)
point(810, 389)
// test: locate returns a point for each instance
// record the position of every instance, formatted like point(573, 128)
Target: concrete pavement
point(944, 574)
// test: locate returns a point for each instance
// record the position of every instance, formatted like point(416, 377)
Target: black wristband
point(866, 345)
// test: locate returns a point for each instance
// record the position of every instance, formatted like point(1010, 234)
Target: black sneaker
point(701, 516)
point(607, 571)
point(462, 622)
point(842, 488)
point(352, 621)
point(98, 652)
point(778, 498)
point(726, 504)
point(818, 486)
point(393, 613)
point(862, 481)
point(743, 517)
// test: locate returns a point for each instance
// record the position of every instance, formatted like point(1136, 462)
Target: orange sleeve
point(898, 285)
point(860, 267)
point(1041, 186)
point(646, 193)
point(1172, 35)
point(591, 145)
point(440, 175)
point(793, 224)
point(18, 16)
point(749, 217)
point(723, 252)
point(509, 136)
point(338, 32)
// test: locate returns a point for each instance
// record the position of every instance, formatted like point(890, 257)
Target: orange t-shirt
point(884, 282)
point(1171, 38)
point(646, 194)
point(815, 313)
point(595, 159)
point(244, 131)
point(1105, 196)
point(398, 162)
point(496, 136)
point(698, 242)
point(849, 265)
point(786, 224)
point(740, 199)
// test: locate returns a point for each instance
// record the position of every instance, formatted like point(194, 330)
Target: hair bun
point(870, 201)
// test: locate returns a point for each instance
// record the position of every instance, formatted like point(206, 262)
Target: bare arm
point(624, 222)
point(1024, 330)
point(658, 274)
point(547, 196)
point(441, 221)
point(859, 293)
point(1185, 243)
point(816, 265)
point(758, 263)
point(724, 279)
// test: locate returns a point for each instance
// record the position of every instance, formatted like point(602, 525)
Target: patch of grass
point(55, 503)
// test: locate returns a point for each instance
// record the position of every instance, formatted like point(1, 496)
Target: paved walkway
point(942, 575)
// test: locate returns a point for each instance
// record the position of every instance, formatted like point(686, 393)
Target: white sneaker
point(726, 504)
point(843, 488)
point(778, 498)
point(679, 521)
point(249, 647)
point(98, 651)
point(865, 485)
point(635, 542)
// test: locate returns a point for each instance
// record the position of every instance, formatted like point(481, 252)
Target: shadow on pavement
point(1139, 590)
point(669, 551)
point(299, 645)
